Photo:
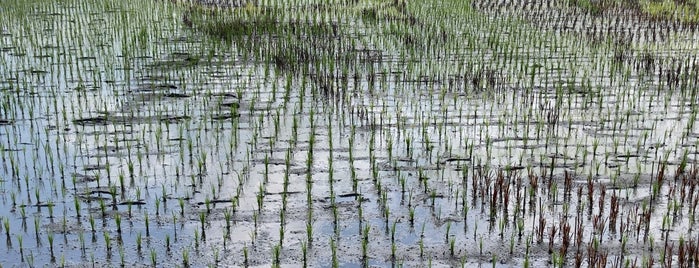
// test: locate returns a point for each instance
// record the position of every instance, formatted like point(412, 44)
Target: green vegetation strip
point(685, 11)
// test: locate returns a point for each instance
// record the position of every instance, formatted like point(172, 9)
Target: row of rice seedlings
point(542, 228)
point(373, 165)
point(49, 154)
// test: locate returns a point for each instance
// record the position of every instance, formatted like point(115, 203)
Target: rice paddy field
point(349, 133)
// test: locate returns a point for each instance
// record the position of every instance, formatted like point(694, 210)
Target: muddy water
point(120, 126)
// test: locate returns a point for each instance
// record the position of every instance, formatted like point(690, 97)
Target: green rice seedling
point(21, 247)
point(37, 196)
point(37, 225)
point(526, 263)
point(365, 242)
point(216, 256)
point(147, 223)
point(202, 220)
point(6, 225)
point(333, 248)
point(113, 193)
point(122, 185)
point(81, 238)
point(447, 231)
point(196, 240)
point(23, 212)
point(92, 224)
point(107, 169)
point(480, 245)
point(76, 204)
point(421, 245)
point(304, 253)
point(411, 215)
point(255, 217)
point(245, 255)
point(103, 208)
point(260, 197)
point(153, 258)
point(117, 221)
point(309, 232)
point(227, 215)
point(266, 173)
point(108, 243)
point(185, 257)
point(335, 214)
point(281, 233)
point(276, 255)
point(139, 240)
point(167, 242)
point(181, 203)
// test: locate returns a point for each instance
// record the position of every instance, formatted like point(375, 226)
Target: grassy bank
point(668, 10)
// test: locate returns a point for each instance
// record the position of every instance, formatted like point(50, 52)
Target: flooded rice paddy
point(345, 133)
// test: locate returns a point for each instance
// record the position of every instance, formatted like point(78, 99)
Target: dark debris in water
point(178, 61)
point(226, 116)
point(93, 167)
point(216, 201)
point(231, 104)
point(133, 202)
point(176, 95)
point(224, 94)
point(83, 177)
point(126, 120)
point(95, 196)
point(283, 193)
point(223, 3)
point(156, 87)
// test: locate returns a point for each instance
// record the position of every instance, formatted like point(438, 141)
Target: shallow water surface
point(351, 134)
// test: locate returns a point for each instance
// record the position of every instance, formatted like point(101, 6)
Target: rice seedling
point(153, 258)
point(167, 243)
point(108, 243)
point(139, 240)
point(245, 255)
point(196, 240)
point(309, 232)
point(304, 253)
point(122, 256)
point(6, 225)
point(202, 220)
point(181, 203)
point(276, 251)
point(185, 257)
point(335, 262)
point(365, 242)
point(77, 206)
point(117, 221)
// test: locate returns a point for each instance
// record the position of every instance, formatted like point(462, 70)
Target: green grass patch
point(684, 11)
